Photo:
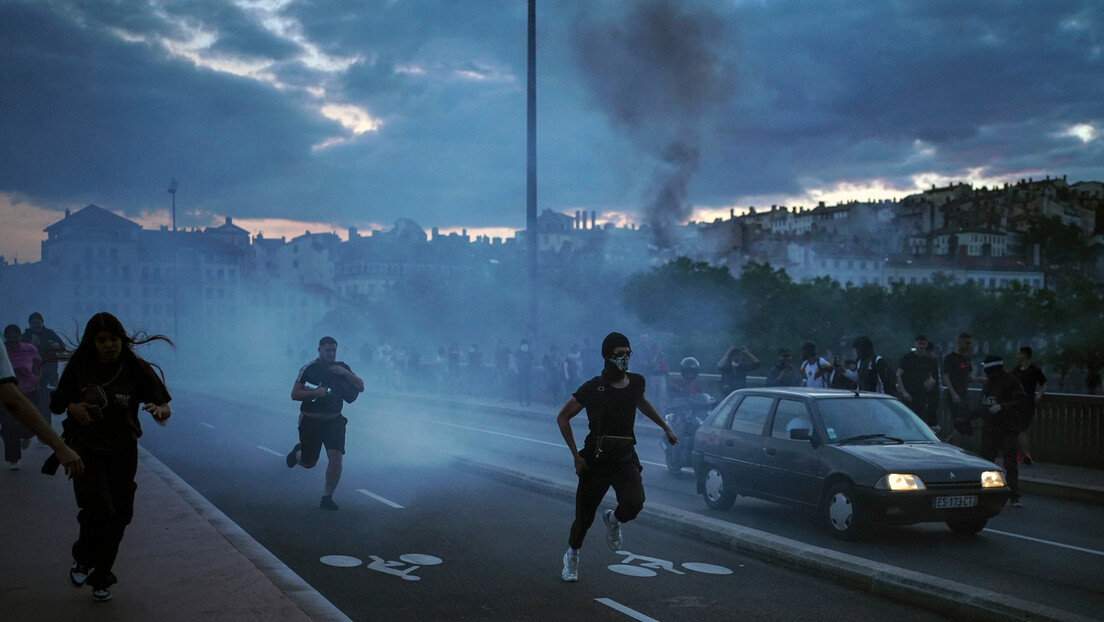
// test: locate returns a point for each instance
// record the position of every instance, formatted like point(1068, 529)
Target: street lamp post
point(176, 264)
point(172, 191)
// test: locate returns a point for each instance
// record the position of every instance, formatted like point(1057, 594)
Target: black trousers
point(624, 477)
point(105, 496)
point(1000, 442)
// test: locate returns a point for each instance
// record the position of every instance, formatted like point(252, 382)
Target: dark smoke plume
point(656, 69)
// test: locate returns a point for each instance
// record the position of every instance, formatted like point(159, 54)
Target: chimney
point(353, 233)
point(67, 212)
point(229, 220)
point(577, 216)
point(593, 218)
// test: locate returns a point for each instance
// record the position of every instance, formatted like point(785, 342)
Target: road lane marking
point(636, 615)
point(207, 425)
point(381, 499)
point(1041, 541)
point(274, 453)
point(519, 438)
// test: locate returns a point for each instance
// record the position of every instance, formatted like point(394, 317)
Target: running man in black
point(320, 419)
point(607, 457)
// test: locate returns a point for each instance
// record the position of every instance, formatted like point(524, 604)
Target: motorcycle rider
point(687, 384)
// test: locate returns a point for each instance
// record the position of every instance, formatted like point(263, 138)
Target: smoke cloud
point(658, 70)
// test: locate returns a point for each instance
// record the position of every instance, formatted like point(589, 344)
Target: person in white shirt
point(815, 370)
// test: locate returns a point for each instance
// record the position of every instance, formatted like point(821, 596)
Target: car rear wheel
point(967, 527)
point(841, 513)
point(717, 493)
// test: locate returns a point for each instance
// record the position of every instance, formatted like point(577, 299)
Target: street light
point(176, 264)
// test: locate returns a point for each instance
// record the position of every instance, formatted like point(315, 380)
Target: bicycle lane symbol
point(649, 565)
point(404, 568)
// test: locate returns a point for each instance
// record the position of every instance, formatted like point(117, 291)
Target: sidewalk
point(180, 560)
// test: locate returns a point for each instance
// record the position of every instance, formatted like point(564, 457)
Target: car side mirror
point(801, 434)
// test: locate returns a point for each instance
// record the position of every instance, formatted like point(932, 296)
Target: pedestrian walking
point(1034, 383)
point(322, 386)
point(26, 364)
point(607, 458)
point(872, 372)
point(103, 385)
point(1003, 404)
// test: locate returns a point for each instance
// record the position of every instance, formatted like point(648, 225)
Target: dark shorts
point(314, 433)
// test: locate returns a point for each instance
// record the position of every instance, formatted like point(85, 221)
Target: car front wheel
point(967, 527)
point(717, 494)
point(841, 513)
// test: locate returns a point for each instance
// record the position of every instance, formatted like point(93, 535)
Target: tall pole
point(176, 265)
point(531, 178)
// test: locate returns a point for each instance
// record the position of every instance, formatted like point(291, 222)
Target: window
point(751, 414)
point(790, 415)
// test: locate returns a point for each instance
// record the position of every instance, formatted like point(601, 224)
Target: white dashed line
point(1040, 541)
point(274, 453)
point(636, 615)
point(206, 425)
point(381, 499)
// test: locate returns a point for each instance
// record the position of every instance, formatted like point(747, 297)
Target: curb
point(299, 591)
point(921, 590)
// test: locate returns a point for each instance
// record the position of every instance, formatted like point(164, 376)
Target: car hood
point(934, 462)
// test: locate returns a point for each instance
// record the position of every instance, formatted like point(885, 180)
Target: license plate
point(961, 501)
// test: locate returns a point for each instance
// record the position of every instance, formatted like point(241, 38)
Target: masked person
point(1003, 404)
point(607, 458)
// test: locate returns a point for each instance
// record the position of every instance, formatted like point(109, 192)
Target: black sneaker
point(78, 575)
point(327, 503)
point(292, 459)
point(101, 594)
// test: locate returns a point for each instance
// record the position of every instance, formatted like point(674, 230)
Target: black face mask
point(611, 372)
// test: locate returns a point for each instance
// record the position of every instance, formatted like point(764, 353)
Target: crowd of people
point(104, 385)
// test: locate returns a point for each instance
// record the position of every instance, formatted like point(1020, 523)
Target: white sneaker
point(13, 466)
point(571, 567)
point(613, 530)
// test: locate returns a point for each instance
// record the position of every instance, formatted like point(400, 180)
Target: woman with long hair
point(100, 391)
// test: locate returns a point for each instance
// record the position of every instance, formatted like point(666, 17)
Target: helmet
point(690, 368)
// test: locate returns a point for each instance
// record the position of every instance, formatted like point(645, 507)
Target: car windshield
point(858, 420)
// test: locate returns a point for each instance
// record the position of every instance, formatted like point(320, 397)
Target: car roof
point(813, 392)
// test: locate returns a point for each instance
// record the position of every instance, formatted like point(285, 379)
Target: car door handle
point(770, 451)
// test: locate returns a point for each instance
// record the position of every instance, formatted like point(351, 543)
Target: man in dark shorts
point(607, 457)
point(322, 385)
point(1034, 383)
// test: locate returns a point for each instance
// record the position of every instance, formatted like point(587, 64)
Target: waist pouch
point(610, 449)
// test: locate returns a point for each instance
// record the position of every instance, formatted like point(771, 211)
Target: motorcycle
point(687, 414)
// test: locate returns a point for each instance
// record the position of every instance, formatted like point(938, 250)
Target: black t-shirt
point(318, 373)
point(917, 368)
point(958, 368)
point(1030, 379)
point(122, 389)
point(610, 411)
point(1005, 390)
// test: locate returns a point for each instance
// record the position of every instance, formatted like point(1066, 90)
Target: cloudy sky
point(291, 115)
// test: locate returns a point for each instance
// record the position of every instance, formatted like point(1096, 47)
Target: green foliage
point(704, 310)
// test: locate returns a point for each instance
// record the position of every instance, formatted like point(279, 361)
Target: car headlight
point(900, 481)
point(992, 479)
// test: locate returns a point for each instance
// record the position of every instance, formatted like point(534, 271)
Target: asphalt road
point(420, 537)
point(1051, 551)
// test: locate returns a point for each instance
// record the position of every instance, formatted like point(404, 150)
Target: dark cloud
point(695, 103)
